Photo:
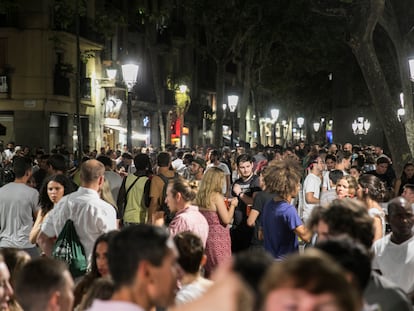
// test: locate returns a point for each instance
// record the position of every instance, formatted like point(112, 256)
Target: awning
point(123, 130)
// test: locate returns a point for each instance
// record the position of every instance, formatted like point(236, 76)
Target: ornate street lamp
point(232, 102)
point(129, 74)
point(360, 126)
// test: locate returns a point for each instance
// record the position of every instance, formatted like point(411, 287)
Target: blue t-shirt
point(279, 219)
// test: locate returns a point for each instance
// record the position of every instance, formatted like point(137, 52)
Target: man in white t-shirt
point(91, 215)
point(312, 187)
point(18, 205)
point(394, 253)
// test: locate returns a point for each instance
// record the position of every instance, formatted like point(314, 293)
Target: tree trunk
point(245, 97)
point(381, 98)
point(243, 106)
point(218, 125)
point(153, 55)
point(361, 43)
point(389, 23)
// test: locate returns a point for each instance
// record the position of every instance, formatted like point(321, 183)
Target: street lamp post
point(129, 74)
point(233, 101)
point(300, 121)
point(275, 114)
point(316, 126)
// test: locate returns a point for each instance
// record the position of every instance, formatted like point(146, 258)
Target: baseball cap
point(200, 162)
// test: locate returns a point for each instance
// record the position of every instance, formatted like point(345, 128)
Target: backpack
point(122, 202)
point(168, 216)
point(69, 249)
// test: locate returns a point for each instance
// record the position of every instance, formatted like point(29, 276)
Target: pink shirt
point(190, 219)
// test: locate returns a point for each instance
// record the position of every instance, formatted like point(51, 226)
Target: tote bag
point(69, 249)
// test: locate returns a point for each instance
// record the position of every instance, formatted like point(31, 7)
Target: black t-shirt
point(248, 187)
point(260, 200)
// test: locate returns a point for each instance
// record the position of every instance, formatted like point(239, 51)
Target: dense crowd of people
point(306, 227)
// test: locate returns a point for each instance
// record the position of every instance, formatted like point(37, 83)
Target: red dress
point(218, 246)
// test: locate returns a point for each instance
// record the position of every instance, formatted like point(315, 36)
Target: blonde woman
point(346, 187)
point(210, 200)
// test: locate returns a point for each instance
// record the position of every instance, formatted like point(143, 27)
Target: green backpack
point(69, 249)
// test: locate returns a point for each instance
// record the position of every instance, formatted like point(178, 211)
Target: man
point(187, 159)
point(142, 260)
point(114, 179)
point(9, 151)
point(350, 217)
point(56, 164)
point(42, 169)
point(192, 260)
point(18, 207)
point(244, 189)
point(343, 161)
point(157, 198)
point(333, 149)
point(347, 147)
point(330, 164)
point(133, 199)
point(328, 196)
point(408, 193)
point(126, 166)
point(178, 163)
point(45, 284)
point(381, 171)
point(226, 157)
point(311, 187)
point(198, 165)
point(91, 215)
point(259, 156)
point(394, 253)
point(214, 157)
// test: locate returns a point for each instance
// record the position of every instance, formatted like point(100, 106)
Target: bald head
point(92, 172)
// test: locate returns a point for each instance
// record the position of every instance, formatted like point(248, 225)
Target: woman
point(346, 187)
point(99, 266)
point(280, 221)
point(187, 216)
point(52, 190)
point(371, 191)
point(407, 177)
point(210, 200)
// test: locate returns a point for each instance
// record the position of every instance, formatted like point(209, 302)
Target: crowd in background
point(184, 227)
